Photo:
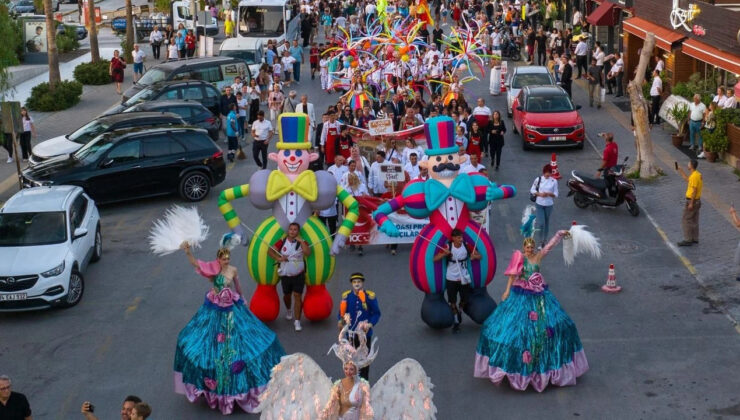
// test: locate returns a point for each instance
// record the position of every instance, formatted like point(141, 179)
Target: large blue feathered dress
point(225, 353)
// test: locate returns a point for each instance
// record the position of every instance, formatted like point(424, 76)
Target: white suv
point(48, 235)
point(525, 76)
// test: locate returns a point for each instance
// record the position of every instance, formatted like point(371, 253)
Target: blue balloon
point(346, 64)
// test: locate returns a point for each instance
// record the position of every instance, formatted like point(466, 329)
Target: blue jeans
point(543, 221)
point(297, 71)
point(695, 131)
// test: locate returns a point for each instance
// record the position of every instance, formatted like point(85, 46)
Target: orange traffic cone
point(611, 282)
point(554, 164)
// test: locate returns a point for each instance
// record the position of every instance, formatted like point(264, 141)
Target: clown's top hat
point(293, 129)
point(440, 134)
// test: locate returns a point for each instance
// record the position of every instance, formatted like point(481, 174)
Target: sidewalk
point(662, 200)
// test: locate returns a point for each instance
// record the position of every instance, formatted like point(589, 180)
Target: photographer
point(126, 408)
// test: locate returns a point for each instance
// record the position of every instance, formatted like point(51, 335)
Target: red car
point(546, 117)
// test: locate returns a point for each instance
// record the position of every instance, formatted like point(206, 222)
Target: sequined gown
point(529, 338)
point(225, 353)
point(357, 399)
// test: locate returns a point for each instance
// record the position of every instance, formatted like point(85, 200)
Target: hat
point(440, 135)
point(293, 131)
point(357, 276)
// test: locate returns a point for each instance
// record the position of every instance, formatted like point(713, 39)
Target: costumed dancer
point(299, 387)
point(357, 96)
point(293, 193)
point(454, 91)
point(359, 309)
point(529, 338)
point(224, 354)
point(447, 199)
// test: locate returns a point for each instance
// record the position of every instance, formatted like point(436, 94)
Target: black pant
point(259, 147)
point(155, 51)
point(364, 372)
point(496, 154)
point(620, 91)
point(254, 107)
point(567, 87)
point(26, 144)
point(8, 143)
point(655, 119)
point(330, 222)
point(581, 62)
point(191, 52)
point(541, 57)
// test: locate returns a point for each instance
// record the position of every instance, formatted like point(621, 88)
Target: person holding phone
point(126, 408)
point(690, 219)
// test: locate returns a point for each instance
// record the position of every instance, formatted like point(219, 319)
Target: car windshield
point(141, 96)
point(93, 150)
point(529, 79)
point(27, 229)
point(262, 20)
point(152, 76)
point(87, 132)
point(249, 56)
point(549, 103)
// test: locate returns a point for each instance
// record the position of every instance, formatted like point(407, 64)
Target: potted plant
point(714, 143)
point(680, 115)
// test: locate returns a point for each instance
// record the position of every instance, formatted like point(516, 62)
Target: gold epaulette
point(345, 294)
point(370, 294)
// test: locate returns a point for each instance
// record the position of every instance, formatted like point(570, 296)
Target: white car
point(525, 76)
point(250, 50)
point(48, 235)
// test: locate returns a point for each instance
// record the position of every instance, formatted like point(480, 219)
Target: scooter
point(587, 191)
point(510, 49)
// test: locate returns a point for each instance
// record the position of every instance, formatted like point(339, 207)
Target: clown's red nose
point(292, 158)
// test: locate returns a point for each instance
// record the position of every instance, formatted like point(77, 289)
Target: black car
point(194, 90)
point(135, 163)
point(70, 143)
point(192, 112)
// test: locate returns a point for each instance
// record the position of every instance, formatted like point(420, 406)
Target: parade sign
point(380, 127)
point(392, 172)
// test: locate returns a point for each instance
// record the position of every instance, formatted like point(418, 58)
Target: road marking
point(511, 233)
point(103, 348)
point(8, 183)
point(230, 166)
point(134, 305)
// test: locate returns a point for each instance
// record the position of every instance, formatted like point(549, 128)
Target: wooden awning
point(711, 55)
point(603, 15)
point(664, 38)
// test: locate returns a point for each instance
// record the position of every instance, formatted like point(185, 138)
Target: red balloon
point(265, 304)
point(317, 304)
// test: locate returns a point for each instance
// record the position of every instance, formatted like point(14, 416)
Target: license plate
point(558, 138)
point(13, 296)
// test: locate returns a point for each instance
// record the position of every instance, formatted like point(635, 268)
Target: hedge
point(66, 95)
point(93, 73)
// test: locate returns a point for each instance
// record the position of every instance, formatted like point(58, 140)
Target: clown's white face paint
point(293, 162)
point(357, 285)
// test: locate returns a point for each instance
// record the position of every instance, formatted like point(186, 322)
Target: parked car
point(136, 163)
point(525, 76)
point(546, 116)
point(70, 143)
point(219, 71)
point(48, 235)
point(21, 7)
point(194, 90)
point(192, 112)
point(80, 30)
point(251, 50)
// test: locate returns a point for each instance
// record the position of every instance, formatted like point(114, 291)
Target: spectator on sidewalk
point(116, 70)
point(615, 76)
point(155, 40)
point(720, 97)
point(594, 84)
point(297, 53)
point(496, 138)
point(28, 130)
point(190, 43)
point(138, 57)
point(173, 54)
point(730, 100)
point(659, 64)
point(736, 221)
point(696, 120)
point(690, 219)
point(656, 89)
point(13, 405)
point(582, 55)
point(228, 25)
point(566, 77)
point(126, 408)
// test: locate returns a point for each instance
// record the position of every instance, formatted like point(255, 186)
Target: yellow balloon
point(405, 57)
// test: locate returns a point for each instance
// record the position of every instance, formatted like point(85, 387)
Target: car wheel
point(97, 246)
point(195, 186)
point(633, 208)
point(580, 201)
point(580, 146)
point(75, 290)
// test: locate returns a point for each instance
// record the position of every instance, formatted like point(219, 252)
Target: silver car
point(525, 76)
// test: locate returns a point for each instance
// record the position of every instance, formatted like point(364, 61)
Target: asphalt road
point(658, 350)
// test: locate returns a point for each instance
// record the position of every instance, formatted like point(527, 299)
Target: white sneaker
point(290, 315)
point(700, 155)
point(297, 325)
point(10, 160)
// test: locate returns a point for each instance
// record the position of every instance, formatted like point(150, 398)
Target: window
point(528, 79)
point(125, 152)
point(152, 76)
point(182, 111)
point(25, 229)
point(172, 93)
point(192, 92)
point(77, 211)
point(212, 92)
point(206, 74)
point(88, 131)
point(262, 20)
point(161, 145)
point(195, 141)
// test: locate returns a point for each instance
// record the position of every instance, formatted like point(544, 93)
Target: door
point(79, 217)
point(212, 99)
point(163, 161)
point(119, 174)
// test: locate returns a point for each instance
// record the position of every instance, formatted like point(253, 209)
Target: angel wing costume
point(299, 389)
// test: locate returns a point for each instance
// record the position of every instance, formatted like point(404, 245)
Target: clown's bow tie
point(435, 192)
point(305, 185)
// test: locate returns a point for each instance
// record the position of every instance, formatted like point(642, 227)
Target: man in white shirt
point(474, 165)
point(412, 166)
point(496, 39)
point(431, 53)
point(655, 90)
point(576, 17)
point(436, 71)
point(292, 270)
point(370, 9)
point(338, 169)
point(376, 183)
point(599, 55)
point(340, 22)
point(138, 57)
point(730, 100)
point(696, 120)
point(581, 56)
point(307, 108)
point(616, 73)
point(659, 64)
point(262, 133)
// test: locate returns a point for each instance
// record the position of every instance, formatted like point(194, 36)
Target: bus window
point(261, 20)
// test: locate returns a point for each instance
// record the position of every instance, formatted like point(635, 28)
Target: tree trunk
point(51, 42)
point(129, 33)
point(645, 166)
point(94, 49)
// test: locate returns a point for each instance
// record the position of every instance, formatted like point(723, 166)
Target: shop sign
point(683, 17)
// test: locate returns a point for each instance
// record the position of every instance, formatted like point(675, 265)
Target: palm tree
point(51, 42)
point(94, 50)
point(129, 32)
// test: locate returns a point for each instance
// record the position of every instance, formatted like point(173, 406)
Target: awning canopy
point(664, 38)
point(711, 55)
point(603, 15)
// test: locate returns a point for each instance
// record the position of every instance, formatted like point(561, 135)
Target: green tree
point(11, 37)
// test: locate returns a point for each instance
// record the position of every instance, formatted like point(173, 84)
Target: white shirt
point(376, 183)
point(719, 100)
point(407, 151)
point(457, 269)
point(729, 102)
point(617, 67)
point(138, 56)
point(581, 48)
point(660, 65)
point(288, 63)
point(27, 123)
point(295, 265)
point(412, 170)
point(370, 9)
point(657, 84)
point(341, 21)
point(549, 185)
point(360, 190)
point(576, 18)
point(262, 129)
point(482, 110)
point(242, 106)
point(696, 112)
point(338, 172)
point(599, 56)
point(344, 182)
point(435, 70)
point(253, 92)
point(496, 39)
point(469, 168)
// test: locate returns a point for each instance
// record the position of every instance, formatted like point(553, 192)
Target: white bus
point(267, 19)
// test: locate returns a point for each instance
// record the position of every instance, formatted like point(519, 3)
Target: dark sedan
point(192, 113)
point(136, 163)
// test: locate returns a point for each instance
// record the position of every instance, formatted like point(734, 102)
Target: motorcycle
point(610, 192)
point(510, 49)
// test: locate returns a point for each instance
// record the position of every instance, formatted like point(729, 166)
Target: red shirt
point(611, 153)
point(313, 58)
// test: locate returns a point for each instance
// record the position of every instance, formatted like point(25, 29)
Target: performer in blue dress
point(529, 339)
point(224, 353)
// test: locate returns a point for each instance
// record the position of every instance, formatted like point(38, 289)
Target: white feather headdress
point(581, 241)
point(180, 224)
point(362, 355)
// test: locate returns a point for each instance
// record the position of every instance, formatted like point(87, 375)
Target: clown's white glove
point(338, 244)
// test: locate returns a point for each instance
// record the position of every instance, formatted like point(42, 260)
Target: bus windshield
point(261, 20)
